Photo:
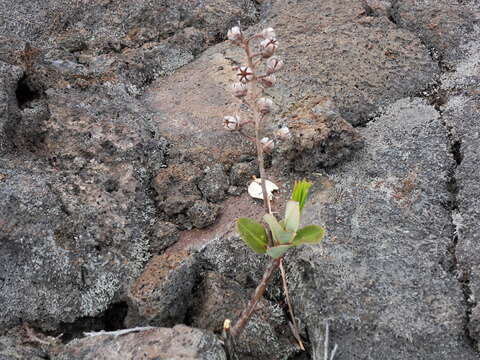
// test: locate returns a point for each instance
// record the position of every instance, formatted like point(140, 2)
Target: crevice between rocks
point(438, 97)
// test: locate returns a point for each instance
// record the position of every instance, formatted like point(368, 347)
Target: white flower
point(244, 74)
point(239, 89)
point(268, 47)
point(268, 33)
point(264, 105)
point(283, 133)
point(267, 144)
point(231, 123)
point(274, 64)
point(268, 81)
point(235, 34)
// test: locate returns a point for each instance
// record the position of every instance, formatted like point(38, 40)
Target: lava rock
point(203, 214)
point(320, 138)
point(218, 298)
point(241, 173)
point(179, 342)
point(161, 295)
point(164, 235)
point(379, 211)
point(214, 184)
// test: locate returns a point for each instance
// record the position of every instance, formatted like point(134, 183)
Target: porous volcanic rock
point(179, 342)
point(383, 275)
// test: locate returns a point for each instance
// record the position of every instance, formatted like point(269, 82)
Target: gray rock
point(214, 184)
point(203, 214)
point(164, 235)
point(13, 348)
point(179, 342)
point(266, 336)
point(442, 25)
point(241, 173)
point(361, 61)
point(161, 296)
point(9, 112)
point(381, 276)
point(460, 112)
point(319, 138)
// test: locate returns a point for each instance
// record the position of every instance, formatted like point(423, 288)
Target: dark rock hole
point(25, 94)
point(110, 320)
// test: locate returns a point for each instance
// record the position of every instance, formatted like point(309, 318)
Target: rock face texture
point(388, 246)
point(179, 342)
point(112, 149)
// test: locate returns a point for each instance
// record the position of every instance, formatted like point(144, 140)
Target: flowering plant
point(276, 239)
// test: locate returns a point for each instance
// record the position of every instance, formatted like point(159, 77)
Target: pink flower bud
point(239, 89)
point(268, 81)
point(268, 33)
point(231, 123)
point(267, 144)
point(235, 34)
point(244, 74)
point(283, 133)
point(264, 105)
point(268, 47)
point(274, 64)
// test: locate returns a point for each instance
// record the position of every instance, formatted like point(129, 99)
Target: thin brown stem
point(259, 291)
point(295, 330)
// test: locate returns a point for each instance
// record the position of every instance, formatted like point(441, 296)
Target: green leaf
point(278, 251)
point(300, 192)
point(253, 234)
point(292, 216)
point(279, 234)
point(310, 234)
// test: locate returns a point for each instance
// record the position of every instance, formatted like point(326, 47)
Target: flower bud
point(235, 34)
point(267, 144)
point(268, 47)
point(274, 64)
point(268, 81)
point(264, 105)
point(268, 33)
point(239, 89)
point(283, 133)
point(231, 123)
point(244, 74)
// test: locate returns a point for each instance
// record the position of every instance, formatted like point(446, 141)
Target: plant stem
point(257, 118)
point(259, 291)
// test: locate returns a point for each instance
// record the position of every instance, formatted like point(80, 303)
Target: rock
point(161, 295)
point(266, 336)
point(388, 221)
point(320, 138)
point(359, 60)
point(442, 25)
point(460, 113)
point(242, 173)
point(164, 235)
point(203, 214)
point(10, 76)
point(179, 342)
point(214, 184)
point(12, 347)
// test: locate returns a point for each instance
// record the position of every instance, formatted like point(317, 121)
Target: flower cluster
point(252, 79)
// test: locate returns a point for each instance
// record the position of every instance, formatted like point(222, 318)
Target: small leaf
point(300, 192)
point(279, 234)
point(278, 251)
point(253, 234)
point(310, 234)
point(292, 216)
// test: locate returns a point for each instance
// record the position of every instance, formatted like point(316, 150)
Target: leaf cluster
point(285, 233)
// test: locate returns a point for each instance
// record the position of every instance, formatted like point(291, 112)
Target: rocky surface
point(111, 146)
point(179, 342)
point(383, 277)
